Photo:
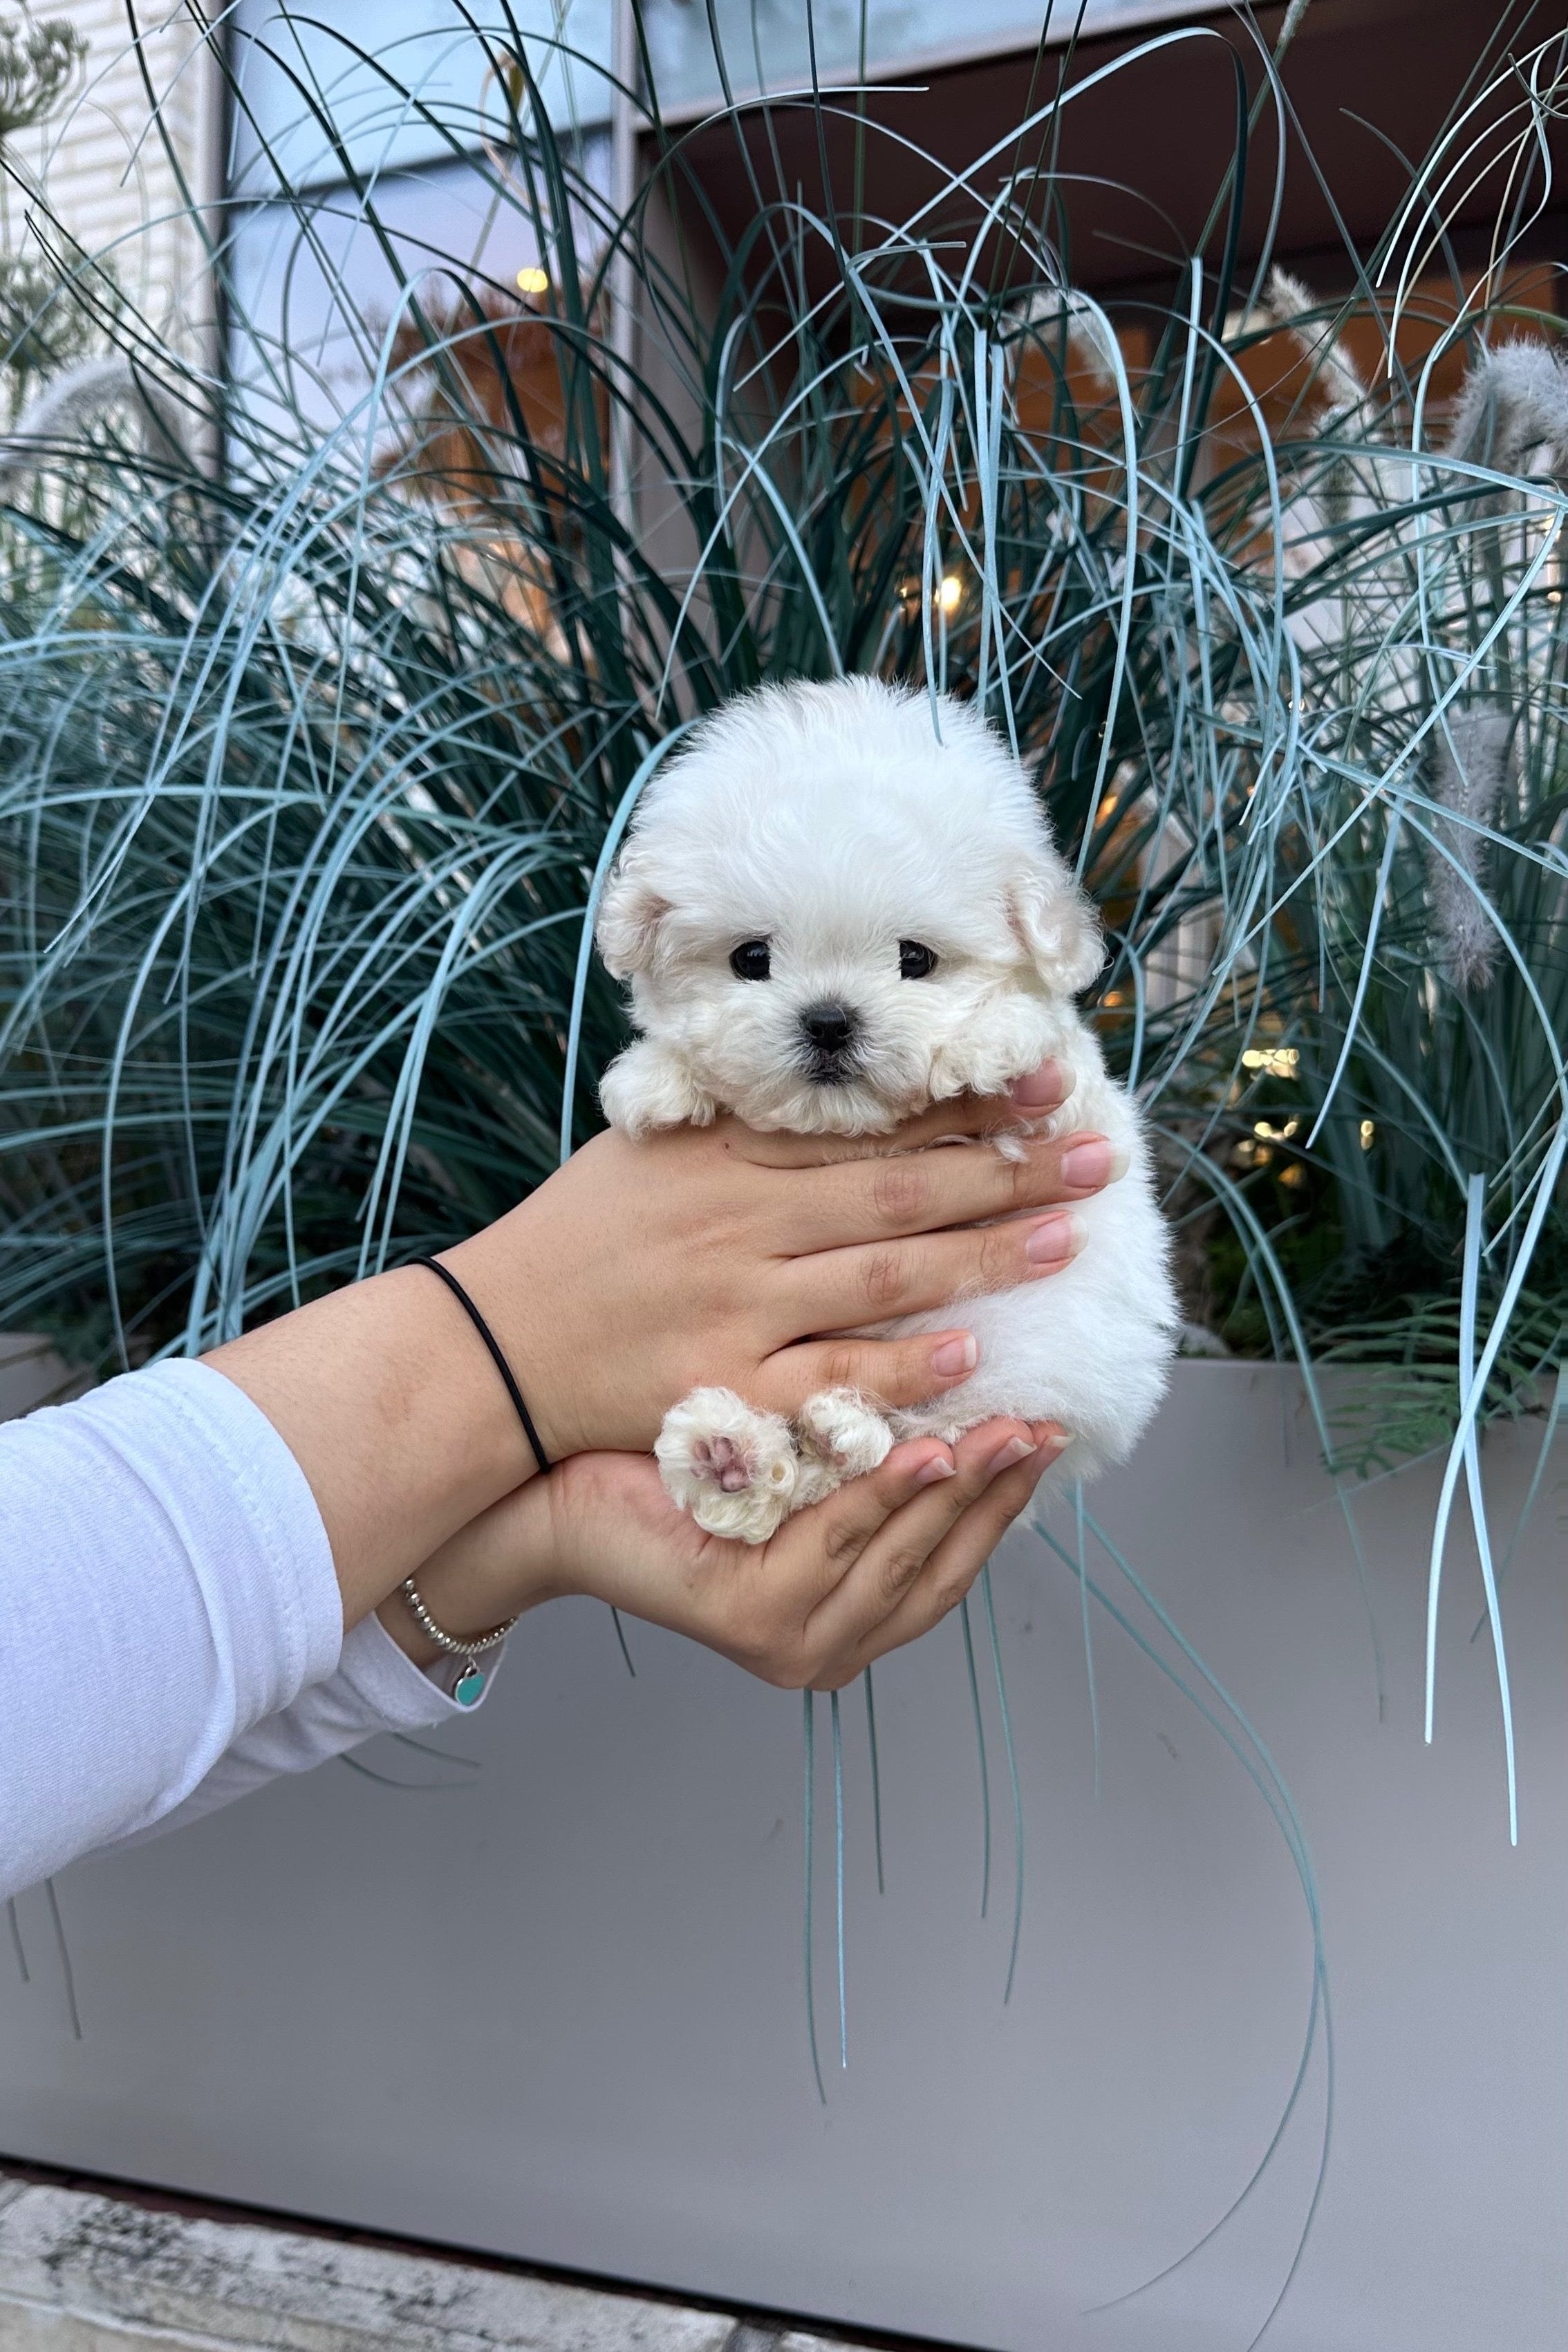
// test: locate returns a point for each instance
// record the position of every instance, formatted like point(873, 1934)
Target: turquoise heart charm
point(469, 1685)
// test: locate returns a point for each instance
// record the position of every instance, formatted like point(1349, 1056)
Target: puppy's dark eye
point(915, 961)
point(752, 961)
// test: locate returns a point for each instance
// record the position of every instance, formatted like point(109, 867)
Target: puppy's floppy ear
point(630, 914)
point(1056, 925)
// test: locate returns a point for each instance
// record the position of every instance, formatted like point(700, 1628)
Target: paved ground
point(83, 2271)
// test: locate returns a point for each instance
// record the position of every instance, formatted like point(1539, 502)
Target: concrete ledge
point(80, 2272)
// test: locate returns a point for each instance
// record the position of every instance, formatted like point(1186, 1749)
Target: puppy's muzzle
point(829, 1034)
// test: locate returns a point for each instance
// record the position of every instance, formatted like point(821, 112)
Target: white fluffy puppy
point(831, 918)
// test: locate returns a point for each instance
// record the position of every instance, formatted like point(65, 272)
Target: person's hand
point(875, 1565)
point(640, 1271)
point(717, 1256)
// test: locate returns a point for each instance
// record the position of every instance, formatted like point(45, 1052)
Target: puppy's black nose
point(830, 1027)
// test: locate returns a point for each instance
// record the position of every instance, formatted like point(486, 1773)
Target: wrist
point(499, 1566)
point(389, 1403)
point(505, 1268)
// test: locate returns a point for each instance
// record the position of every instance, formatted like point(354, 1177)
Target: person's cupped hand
point(873, 1566)
point(718, 1256)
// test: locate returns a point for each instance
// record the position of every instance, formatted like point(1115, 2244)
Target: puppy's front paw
point(734, 1468)
point(648, 1088)
point(842, 1436)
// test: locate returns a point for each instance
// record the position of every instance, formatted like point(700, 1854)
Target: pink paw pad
point(721, 1459)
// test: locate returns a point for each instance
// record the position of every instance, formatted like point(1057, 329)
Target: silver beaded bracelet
point(470, 1683)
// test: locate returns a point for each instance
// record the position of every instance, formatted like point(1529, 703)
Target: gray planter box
point(554, 2008)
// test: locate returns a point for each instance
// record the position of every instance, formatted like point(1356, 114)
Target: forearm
point(502, 1564)
point(387, 1400)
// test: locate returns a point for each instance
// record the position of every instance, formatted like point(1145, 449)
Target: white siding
point(105, 162)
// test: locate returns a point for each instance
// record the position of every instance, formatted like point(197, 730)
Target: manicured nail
point(1056, 1239)
point(957, 1355)
point(939, 1466)
point(1042, 1089)
point(1091, 1162)
point(1018, 1449)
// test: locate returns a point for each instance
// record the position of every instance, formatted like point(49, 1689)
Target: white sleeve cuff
point(395, 1694)
point(376, 1688)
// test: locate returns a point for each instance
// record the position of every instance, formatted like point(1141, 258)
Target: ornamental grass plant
point(309, 752)
point(330, 659)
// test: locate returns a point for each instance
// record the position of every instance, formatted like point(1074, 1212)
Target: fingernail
point(1092, 1162)
point(1056, 1240)
point(1018, 1449)
point(959, 1355)
point(939, 1466)
point(1043, 1088)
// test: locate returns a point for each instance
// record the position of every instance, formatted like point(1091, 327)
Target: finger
point(906, 1372)
point(1031, 1097)
point(923, 1191)
point(891, 1561)
point(831, 1536)
point(955, 1562)
point(843, 1289)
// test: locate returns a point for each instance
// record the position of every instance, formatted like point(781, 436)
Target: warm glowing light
point(534, 281)
point(1274, 1134)
point(1368, 1134)
point(950, 595)
point(1279, 1061)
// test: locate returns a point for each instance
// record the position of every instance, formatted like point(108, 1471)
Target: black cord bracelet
point(489, 1337)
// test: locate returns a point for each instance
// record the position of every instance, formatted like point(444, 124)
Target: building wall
point(111, 168)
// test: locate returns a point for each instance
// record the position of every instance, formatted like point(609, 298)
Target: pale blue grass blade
point(1474, 1391)
point(441, 1755)
point(808, 1778)
point(968, 1633)
point(1554, 1416)
point(1247, 1225)
point(67, 1974)
point(1363, 979)
point(1088, 1639)
point(1474, 1216)
point(1297, 1840)
point(1129, 580)
point(403, 1787)
point(876, 1776)
point(1011, 1755)
point(613, 838)
point(20, 1949)
point(929, 574)
point(1276, 1801)
point(838, 1874)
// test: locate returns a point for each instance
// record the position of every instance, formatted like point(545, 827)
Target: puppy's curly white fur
point(833, 913)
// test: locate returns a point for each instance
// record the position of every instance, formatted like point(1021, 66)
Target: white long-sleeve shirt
point(171, 1627)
